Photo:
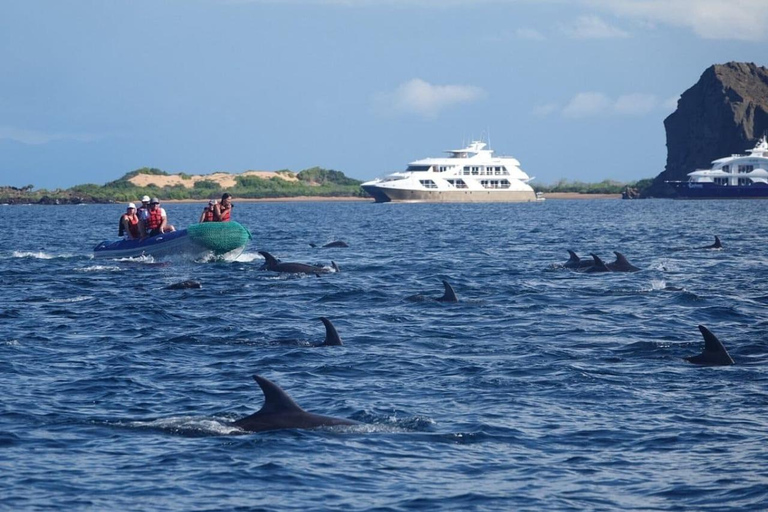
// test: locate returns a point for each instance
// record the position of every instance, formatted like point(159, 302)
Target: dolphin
point(337, 243)
point(276, 265)
point(716, 245)
point(621, 264)
point(331, 336)
point(184, 285)
point(449, 295)
point(714, 352)
point(574, 262)
point(281, 412)
point(597, 266)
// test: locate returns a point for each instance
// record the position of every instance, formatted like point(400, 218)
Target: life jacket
point(225, 214)
point(208, 214)
point(154, 219)
point(133, 226)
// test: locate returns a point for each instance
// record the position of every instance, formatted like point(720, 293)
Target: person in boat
point(157, 220)
point(141, 212)
point(129, 224)
point(223, 210)
point(207, 215)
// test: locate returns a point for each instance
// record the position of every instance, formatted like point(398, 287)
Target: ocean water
point(542, 389)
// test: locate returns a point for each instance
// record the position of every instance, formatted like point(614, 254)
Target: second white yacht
point(468, 175)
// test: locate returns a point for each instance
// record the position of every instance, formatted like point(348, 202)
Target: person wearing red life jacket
point(157, 220)
point(129, 224)
point(207, 215)
point(223, 210)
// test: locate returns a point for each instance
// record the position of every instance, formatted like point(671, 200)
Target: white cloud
point(544, 110)
point(596, 104)
point(587, 104)
point(422, 98)
point(591, 27)
point(744, 20)
point(35, 137)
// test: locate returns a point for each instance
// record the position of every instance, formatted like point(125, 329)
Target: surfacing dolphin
point(621, 264)
point(576, 263)
point(184, 285)
point(281, 412)
point(714, 352)
point(598, 265)
point(331, 336)
point(448, 296)
point(275, 265)
point(330, 245)
point(716, 245)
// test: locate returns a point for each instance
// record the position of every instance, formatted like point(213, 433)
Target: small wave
point(65, 300)
point(38, 255)
point(188, 425)
point(248, 257)
point(99, 268)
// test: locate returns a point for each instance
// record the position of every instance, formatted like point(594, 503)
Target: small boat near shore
point(468, 175)
point(732, 177)
point(208, 239)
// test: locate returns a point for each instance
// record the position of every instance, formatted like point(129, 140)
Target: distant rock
point(630, 193)
point(724, 113)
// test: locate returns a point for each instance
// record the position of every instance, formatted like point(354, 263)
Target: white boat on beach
point(468, 175)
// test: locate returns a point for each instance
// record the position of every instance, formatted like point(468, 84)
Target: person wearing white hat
point(129, 224)
point(157, 220)
point(143, 212)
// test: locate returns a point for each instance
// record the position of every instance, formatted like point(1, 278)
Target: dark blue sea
point(542, 389)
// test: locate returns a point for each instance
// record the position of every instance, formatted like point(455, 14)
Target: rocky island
point(724, 113)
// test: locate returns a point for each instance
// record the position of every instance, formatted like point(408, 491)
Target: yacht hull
point(386, 195)
point(688, 190)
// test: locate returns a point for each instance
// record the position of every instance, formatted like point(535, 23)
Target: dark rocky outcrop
point(726, 112)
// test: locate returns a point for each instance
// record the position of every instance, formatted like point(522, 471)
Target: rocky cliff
point(724, 113)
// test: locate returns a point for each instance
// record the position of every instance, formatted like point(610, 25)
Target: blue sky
point(92, 89)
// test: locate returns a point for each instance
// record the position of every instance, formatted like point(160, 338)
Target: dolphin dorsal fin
point(574, 258)
point(620, 258)
point(717, 244)
point(449, 295)
point(711, 343)
point(275, 399)
point(331, 336)
point(270, 260)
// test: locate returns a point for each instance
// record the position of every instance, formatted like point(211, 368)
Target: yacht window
point(726, 168)
point(744, 169)
point(475, 171)
point(418, 168)
point(744, 182)
point(721, 181)
point(428, 183)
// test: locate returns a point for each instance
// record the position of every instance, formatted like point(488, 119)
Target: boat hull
point(692, 190)
point(386, 195)
point(197, 241)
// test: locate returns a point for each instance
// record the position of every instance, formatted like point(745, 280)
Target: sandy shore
point(574, 195)
point(556, 195)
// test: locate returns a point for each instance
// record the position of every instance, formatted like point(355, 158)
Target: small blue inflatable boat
point(208, 239)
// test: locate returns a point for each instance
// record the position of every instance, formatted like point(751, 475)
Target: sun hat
point(131, 205)
point(145, 199)
point(154, 201)
point(212, 202)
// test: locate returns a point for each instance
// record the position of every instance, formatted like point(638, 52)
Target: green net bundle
point(219, 237)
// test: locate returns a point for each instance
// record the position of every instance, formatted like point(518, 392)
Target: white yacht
point(468, 175)
point(731, 177)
